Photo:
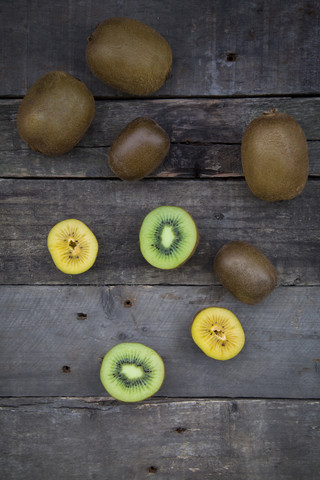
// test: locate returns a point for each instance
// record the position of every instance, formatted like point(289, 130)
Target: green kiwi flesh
point(131, 372)
point(55, 113)
point(274, 155)
point(139, 149)
point(245, 271)
point(129, 56)
point(168, 237)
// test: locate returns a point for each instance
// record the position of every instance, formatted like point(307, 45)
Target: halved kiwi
point(131, 372)
point(55, 113)
point(168, 237)
point(73, 246)
point(218, 333)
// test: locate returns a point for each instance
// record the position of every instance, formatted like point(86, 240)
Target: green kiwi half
point(168, 237)
point(131, 372)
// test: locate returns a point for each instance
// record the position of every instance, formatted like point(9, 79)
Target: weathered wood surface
point(93, 438)
point(219, 48)
point(287, 232)
point(205, 136)
point(47, 328)
point(55, 328)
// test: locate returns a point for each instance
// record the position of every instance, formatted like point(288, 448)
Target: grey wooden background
point(255, 416)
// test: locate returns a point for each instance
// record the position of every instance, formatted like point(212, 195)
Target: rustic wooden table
point(253, 417)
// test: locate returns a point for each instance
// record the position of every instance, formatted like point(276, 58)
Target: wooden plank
point(114, 210)
point(45, 329)
point(239, 49)
point(205, 136)
point(91, 438)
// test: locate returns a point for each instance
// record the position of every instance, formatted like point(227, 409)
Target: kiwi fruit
point(168, 237)
point(274, 155)
point(129, 56)
point(218, 333)
point(245, 271)
point(139, 149)
point(55, 113)
point(73, 247)
point(131, 372)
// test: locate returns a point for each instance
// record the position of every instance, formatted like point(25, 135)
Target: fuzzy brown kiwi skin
point(245, 271)
point(55, 113)
point(274, 156)
point(129, 55)
point(138, 149)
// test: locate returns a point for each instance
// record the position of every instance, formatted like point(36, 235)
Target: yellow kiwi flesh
point(73, 247)
point(139, 149)
point(218, 333)
point(55, 113)
point(274, 157)
point(129, 55)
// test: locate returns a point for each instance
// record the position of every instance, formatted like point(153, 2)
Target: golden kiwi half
point(73, 247)
point(218, 333)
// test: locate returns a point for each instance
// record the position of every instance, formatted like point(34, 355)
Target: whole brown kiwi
point(129, 55)
point(245, 271)
point(138, 149)
point(55, 113)
point(274, 157)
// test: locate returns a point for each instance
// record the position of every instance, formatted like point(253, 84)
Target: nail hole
point(127, 303)
point(197, 170)
point(234, 407)
point(152, 469)
point(66, 369)
point(180, 429)
point(82, 316)
point(231, 57)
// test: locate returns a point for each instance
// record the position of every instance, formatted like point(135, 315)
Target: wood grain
point(286, 232)
point(56, 328)
point(247, 48)
point(205, 137)
point(45, 329)
point(93, 438)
